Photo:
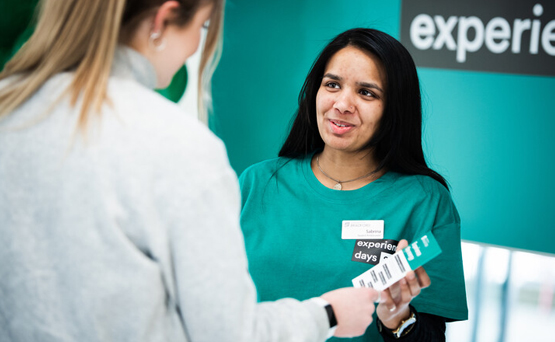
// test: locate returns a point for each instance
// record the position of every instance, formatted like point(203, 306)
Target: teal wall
point(488, 134)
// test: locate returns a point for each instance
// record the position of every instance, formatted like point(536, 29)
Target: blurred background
point(487, 71)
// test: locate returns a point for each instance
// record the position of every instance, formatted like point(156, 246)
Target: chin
point(341, 148)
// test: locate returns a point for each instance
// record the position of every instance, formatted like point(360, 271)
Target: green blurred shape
point(15, 25)
point(174, 92)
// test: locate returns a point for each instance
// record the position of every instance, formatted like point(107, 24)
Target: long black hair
point(397, 142)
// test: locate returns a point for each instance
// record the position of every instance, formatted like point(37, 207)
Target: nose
point(344, 103)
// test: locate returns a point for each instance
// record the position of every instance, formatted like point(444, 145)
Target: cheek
point(318, 104)
point(379, 115)
point(189, 43)
point(195, 40)
point(376, 119)
point(323, 102)
point(320, 109)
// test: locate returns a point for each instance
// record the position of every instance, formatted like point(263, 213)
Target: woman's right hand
point(353, 308)
point(394, 304)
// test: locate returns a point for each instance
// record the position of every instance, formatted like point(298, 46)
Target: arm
point(215, 294)
point(395, 308)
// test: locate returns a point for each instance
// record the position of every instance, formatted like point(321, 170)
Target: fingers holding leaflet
point(402, 244)
point(423, 278)
point(394, 306)
point(413, 284)
point(353, 308)
point(386, 301)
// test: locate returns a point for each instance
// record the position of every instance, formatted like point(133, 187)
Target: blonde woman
point(119, 215)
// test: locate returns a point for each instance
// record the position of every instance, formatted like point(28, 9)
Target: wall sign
point(495, 35)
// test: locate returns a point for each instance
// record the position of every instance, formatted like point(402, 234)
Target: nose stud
point(342, 108)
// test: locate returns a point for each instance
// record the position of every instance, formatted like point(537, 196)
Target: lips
point(340, 127)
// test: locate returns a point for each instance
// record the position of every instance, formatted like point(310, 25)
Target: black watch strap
point(332, 320)
point(331, 315)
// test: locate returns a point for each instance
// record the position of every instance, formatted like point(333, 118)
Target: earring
point(156, 41)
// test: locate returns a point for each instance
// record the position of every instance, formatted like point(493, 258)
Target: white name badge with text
point(362, 229)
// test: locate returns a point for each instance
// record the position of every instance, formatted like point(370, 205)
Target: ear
point(163, 15)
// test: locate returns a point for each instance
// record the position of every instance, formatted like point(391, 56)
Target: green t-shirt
point(292, 226)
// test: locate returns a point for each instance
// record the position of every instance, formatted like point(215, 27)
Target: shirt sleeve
point(215, 293)
point(446, 270)
point(429, 328)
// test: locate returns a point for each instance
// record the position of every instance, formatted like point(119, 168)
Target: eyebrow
point(362, 84)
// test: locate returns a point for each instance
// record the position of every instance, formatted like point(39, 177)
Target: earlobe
point(156, 41)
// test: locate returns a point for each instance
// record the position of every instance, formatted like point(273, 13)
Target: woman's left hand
point(394, 303)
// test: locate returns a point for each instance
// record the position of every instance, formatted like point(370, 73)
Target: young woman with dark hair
point(354, 152)
point(397, 142)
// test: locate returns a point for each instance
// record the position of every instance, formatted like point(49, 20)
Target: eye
point(332, 85)
point(367, 93)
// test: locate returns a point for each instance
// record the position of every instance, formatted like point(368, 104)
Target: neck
point(347, 165)
point(344, 166)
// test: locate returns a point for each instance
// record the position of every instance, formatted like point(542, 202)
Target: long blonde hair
point(82, 36)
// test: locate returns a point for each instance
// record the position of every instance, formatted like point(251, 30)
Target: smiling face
point(350, 101)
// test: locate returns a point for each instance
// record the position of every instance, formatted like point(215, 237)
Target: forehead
point(352, 62)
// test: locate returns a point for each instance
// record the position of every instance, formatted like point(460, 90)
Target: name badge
point(362, 229)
